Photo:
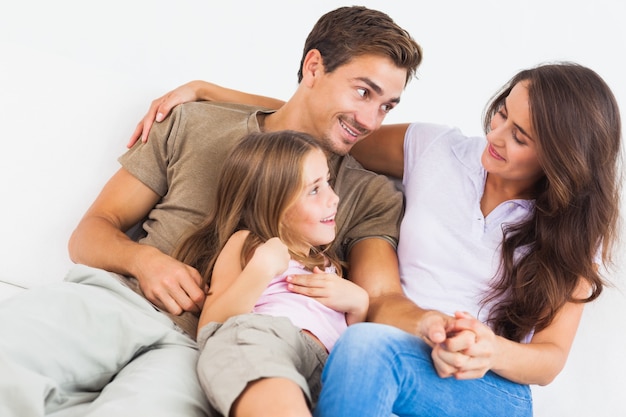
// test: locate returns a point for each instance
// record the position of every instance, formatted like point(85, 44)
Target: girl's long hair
point(260, 179)
point(577, 123)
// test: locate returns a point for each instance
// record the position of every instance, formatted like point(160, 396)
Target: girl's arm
point(235, 291)
point(195, 91)
point(537, 362)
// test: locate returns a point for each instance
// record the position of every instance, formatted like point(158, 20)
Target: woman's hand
point(334, 292)
point(195, 91)
point(161, 107)
point(468, 351)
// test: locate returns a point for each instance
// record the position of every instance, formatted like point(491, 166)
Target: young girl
point(500, 248)
point(263, 346)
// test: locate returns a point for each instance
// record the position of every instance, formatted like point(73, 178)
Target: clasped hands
point(463, 347)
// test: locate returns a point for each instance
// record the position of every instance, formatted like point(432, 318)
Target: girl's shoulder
point(237, 239)
point(240, 234)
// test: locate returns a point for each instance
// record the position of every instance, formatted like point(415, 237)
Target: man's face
point(351, 102)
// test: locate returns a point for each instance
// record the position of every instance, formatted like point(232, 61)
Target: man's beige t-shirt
point(183, 156)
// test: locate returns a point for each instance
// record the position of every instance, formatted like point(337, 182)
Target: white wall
point(76, 76)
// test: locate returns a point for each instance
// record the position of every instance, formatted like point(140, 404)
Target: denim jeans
point(379, 370)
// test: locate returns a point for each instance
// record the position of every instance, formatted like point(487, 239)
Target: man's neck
point(291, 116)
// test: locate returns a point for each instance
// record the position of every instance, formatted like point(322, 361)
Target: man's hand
point(468, 350)
point(171, 285)
point(333, 291)
point(433, 327)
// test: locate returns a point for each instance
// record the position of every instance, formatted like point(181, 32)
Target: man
point(99, 345)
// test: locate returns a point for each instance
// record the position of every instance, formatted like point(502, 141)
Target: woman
point(500, 245)
point(511, 231)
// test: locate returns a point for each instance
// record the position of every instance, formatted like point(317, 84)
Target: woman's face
point(511, 151)
point(312, 216)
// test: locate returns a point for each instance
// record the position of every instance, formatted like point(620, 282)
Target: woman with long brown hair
point(500, 245)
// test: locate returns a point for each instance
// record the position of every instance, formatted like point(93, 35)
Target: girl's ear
point(312, 67)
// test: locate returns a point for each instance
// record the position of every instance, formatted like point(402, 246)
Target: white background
point(76, 77)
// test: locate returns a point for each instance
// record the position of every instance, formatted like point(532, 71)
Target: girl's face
point(511, 151)
point(312, 215)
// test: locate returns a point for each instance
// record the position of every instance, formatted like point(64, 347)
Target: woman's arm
point(195, 91)
point(382, 151)
point(537, 362)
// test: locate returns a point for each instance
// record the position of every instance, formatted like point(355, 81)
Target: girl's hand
point(468, 351)
point(334, 292)
point(271, 257)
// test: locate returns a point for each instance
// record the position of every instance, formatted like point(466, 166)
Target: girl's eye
point(314, 191)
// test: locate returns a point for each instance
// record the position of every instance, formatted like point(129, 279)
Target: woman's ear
point(312, 67)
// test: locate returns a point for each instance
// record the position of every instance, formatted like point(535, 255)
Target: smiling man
point(129, 357)
point(356, 64)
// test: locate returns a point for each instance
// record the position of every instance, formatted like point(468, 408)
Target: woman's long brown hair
point(260, 179)
point(577, 123)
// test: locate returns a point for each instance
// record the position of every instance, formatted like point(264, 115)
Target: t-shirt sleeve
point(417, 139)
point(370, 206)
point(148, 161)
point(381, 218)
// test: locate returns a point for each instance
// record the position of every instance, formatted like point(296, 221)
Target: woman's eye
point(502, 111)
point(517, 139)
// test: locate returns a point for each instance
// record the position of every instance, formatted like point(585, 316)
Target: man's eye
point(386, 108)
point(362, 92)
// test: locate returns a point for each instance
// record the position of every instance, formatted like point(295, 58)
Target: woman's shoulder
point(431, 131)
point(421, 136)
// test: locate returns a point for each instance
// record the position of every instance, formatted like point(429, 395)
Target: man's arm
point(99, 241)
point(383, 150)
point(374, 266)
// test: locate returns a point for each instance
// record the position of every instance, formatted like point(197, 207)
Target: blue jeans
point(379, 370)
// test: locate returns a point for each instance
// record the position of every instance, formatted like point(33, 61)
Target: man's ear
point(312, 67)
